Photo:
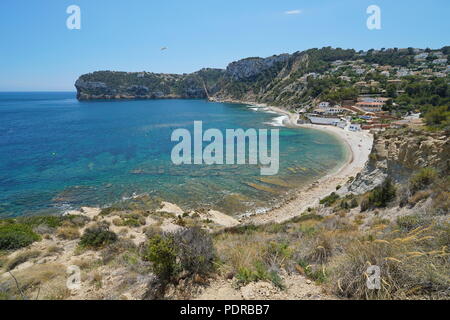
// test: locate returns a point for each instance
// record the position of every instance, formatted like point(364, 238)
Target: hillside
point(412, 78)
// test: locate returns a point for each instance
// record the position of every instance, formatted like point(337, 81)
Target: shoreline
point(359, 146)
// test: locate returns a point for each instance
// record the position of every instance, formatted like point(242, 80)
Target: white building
point(440, 61)
point(334, 110)
point(370, 106)
point(355, 127)
point(421, 56)
point(342, 124)
point(345, 78)
point(324, 105)
point(324, 121)
point(403, 73)
point(337, 63)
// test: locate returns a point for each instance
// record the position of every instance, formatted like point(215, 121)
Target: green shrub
point(259, 273)
point(438, 117)
point(353, 203)
point(307, 217)
point(34, 221)
point(196, 251)
point(380, 196)
point(133, 221)
point(317, 274)
point(330, 200)
point(16, 235)
point(411, 222)
point(280, 250)
point(117, 248)
point(422, 179)
point(190, 250)
point(162, 252)
point(97, 237)
point(108, 211)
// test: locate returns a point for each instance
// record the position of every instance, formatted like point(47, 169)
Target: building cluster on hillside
point(369, 111)
point(366, 113)
point(430, 64)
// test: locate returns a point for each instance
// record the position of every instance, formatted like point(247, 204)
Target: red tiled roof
point(370, 104)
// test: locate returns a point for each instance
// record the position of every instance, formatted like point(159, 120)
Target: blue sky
point(39, 53)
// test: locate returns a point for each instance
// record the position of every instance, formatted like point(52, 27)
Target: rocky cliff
point(399, 153)
point(278, 80)
point(146, 85)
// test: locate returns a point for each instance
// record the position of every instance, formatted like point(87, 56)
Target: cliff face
point(400, 153)
point(252, 67)
point(145, 85)
point(279, 80)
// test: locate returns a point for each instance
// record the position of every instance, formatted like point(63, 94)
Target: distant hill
point(287, 80)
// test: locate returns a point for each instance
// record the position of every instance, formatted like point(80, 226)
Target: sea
point(59, 154)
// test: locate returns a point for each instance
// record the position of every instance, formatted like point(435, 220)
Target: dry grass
point(31, 279)
point(419, 196)
point(412, 253)
point(68, 233)
point(240, 251)
point(52, 250)
point(411, 263)
point(323, 248)
point(21, 258)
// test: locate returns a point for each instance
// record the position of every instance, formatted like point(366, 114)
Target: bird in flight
point(163, 48)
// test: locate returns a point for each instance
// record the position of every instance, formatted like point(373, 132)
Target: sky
point(39, 53)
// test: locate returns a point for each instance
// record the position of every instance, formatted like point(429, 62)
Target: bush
point(330, 200)
point(108, 211)
point(152, 231)
point(116, 248)
point(196, 251)
point(97, 237)
point(438, 117)
point(68, 233)
point(422, 179)
point(162, 252)
point(314, 273)
point(190, 250)
point(246, 275)
point(380, 196)
point(322, 249)
point(411, 222)
point(353, 203)
point(132, 221)
point(16, 235)
point(34, 221)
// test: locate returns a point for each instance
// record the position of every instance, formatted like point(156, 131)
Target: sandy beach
point(359, 146)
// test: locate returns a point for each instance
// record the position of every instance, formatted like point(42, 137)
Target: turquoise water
point(57, 153)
